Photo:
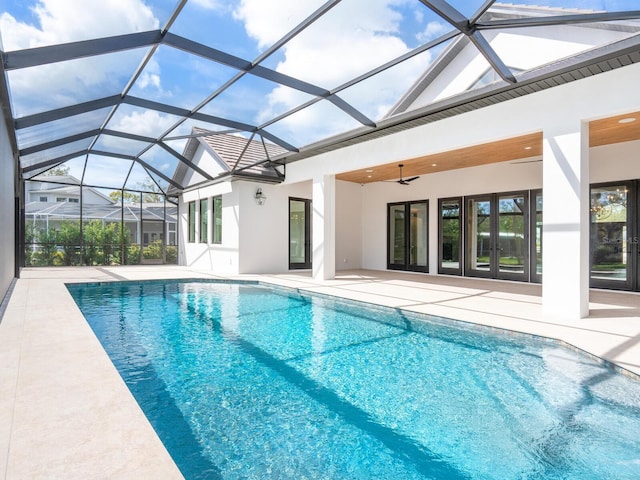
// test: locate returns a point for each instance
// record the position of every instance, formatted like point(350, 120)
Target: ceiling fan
point(405, 181)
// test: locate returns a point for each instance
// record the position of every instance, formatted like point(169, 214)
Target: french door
point(299, 233)
point(407, 224)
point(615, 235)
point(497, 236)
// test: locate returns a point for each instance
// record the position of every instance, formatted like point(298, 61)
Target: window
point(61, 199)
point(192, 222)
point(74, 200)
point(217, 219)
point(204, 220)
point(43, 199)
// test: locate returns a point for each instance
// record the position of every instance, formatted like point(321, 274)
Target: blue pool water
point(242, 381)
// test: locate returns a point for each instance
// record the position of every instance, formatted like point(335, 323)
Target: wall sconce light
point(260, 197)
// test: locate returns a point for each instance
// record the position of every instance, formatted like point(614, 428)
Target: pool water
point(244, 381)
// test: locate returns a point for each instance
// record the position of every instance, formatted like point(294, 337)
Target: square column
point(565, 231)
point(323, 227)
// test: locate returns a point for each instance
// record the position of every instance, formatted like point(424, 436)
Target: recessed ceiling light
point(627, 120)
point(528, 148)
point(368, 176)
point(434, 164)
point(369, 171)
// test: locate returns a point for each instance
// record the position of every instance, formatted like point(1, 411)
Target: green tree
point(60, 170)
point(69, 239)
point(129, 197)
point(92, 241)
point(153, 193)
point(30, 237)
point(110, 239)
point(47, 247)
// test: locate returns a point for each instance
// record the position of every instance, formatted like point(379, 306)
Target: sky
point(351, 39)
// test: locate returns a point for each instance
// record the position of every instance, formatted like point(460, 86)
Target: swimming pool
point(244, 381)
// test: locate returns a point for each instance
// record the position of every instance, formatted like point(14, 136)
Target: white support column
point(323, 226)
point(565, 233)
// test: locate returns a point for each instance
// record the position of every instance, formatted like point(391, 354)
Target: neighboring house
point(512, 186)
point(60, 188)
point(54, 199)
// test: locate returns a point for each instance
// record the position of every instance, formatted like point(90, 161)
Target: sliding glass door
point(407, 224)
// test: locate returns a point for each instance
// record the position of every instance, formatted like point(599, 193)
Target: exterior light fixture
point(260, 197)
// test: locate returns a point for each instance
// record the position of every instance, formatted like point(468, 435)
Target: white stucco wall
point(255, 238)
point(219, 258)
point(7, 212)
point(349, 225)
point(264, 229)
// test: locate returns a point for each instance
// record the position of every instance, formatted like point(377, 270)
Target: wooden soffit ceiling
point(601, 132)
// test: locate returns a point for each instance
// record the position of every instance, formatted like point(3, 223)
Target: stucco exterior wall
point(7, 212)
point(264, 230)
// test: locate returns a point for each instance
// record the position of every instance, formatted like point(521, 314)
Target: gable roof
point(496, 13)
point(240, 157)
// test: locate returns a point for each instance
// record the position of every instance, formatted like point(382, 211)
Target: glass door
point(480, 233)
point(512, 251)
point(450, 227)
point(299, 233)
point(536, 237)
point(407, 226)
point(497, 240)
point(613, 245)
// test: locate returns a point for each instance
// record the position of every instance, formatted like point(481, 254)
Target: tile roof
point(235, 148)
point(230, 149)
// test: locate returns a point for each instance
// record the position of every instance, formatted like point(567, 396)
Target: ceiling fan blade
point(526, 161)
point(411, 179)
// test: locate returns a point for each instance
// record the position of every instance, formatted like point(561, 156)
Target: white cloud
point(354, 38)
point(62, 21)
point(433, 30)
point(216, 5)
point(267, 20)
point(149, 80)
point(143, 122)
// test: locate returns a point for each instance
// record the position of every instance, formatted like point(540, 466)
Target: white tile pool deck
point(65, 413)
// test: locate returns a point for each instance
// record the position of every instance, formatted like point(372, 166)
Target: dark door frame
point(494, 237)
point(307, 264)
point(461, 253)
point(632, 282)
point(406, 266)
